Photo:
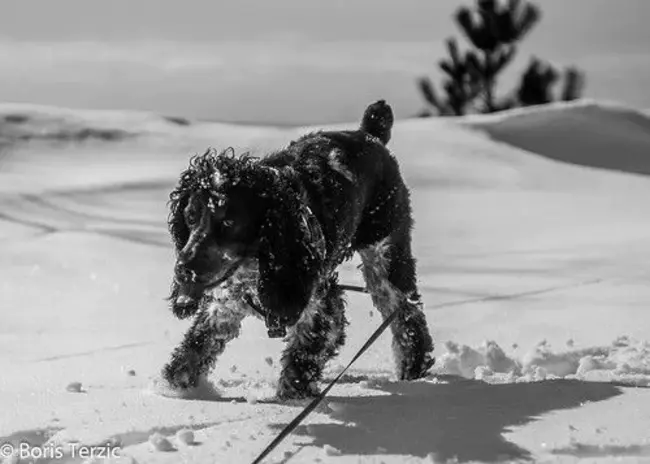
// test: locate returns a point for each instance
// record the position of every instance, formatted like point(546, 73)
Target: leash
point(354, 288)
point(316, 401)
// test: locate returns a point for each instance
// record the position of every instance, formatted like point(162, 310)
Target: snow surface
point(534, 272)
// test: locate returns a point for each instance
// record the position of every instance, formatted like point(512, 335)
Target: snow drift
point(532, 263)
point(586, 133)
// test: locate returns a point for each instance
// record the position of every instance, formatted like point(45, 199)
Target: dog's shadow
point(461, 419)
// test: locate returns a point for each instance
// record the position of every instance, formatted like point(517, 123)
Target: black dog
point(265, 236)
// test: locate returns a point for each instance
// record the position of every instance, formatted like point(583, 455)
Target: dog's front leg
point(204, 341)
point(314, 340)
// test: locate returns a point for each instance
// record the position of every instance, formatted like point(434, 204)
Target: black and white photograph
point(310, 231)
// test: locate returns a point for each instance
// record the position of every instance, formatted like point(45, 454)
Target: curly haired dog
point(264, 237)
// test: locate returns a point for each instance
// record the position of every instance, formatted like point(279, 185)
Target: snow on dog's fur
point(265, 237)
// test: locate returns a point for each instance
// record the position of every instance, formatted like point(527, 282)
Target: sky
point(286, 61)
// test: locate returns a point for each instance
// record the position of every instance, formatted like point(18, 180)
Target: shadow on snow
point(463, 419)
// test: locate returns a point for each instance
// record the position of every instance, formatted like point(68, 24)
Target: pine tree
point(494, 28)
point(460, 86)
point(574, 84)
point(537, 82)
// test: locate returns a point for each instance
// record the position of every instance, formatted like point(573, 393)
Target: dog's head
point(227, 210)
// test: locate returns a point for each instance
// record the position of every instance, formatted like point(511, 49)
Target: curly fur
point(288, 259)
point(270, 233)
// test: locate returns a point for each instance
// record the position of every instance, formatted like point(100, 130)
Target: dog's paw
point(161, 386)
point(296, 390)
point(179, 375)
point(427, 365)
point(203, 390)
point(418, 369)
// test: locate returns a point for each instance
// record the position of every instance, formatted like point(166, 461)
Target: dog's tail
point(378, 120)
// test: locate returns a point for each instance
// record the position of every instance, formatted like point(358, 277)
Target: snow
point(532, 269)
point(74, 387)
point(185, 436)
point(161, 443)
point(624, 361)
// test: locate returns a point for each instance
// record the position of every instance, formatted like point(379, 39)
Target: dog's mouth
point(193, 291)
point(215, 282)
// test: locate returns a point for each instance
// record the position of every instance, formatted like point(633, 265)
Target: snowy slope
point(533, 270)
point(588, 133)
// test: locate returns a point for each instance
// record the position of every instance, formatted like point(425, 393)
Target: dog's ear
point(180, 234)
point(176, 222)
point(289, 257)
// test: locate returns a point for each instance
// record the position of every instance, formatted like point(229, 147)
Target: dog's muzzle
point(184, 275)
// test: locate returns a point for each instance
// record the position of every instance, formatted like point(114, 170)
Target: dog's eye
point(228, 223)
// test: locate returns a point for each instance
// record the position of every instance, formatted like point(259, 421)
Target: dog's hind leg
point(313, 340)
point(389, 272)
point(204, 341)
